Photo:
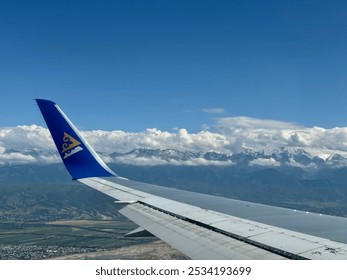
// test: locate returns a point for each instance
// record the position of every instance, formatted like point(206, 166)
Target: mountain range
point(247, 158)
point(294, 179)
point(295, 158)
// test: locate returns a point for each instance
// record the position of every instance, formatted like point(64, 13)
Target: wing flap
point(193, 240)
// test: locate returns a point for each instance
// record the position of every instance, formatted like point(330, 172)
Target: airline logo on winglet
point(70, 146)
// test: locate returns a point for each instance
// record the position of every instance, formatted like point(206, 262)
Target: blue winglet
point(78, 156)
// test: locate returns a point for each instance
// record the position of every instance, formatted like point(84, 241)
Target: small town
point(35, 252)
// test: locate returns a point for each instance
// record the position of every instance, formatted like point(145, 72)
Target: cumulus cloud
point(267, 135)
point(33, 143)
point(26, 144)
point(15, 157)
point(182, 140)
point(24, 137)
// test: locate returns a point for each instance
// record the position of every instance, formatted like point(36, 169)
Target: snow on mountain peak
point(239, 140)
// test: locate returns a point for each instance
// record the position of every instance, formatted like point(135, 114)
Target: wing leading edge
point(200, 226)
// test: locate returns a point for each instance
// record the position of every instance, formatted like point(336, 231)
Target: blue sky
point(133, 65)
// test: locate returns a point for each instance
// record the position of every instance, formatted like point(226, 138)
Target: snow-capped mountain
point(247, 158)
point(236, 141)
point(276, 158)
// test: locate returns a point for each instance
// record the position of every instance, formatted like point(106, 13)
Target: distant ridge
point(275, 158)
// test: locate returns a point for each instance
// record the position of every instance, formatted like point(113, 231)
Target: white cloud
point(232, 135)
point(16, 141)
point(266, 135)
point(16, 158)
point(119, 141)
point(24, 137)
point(264, 162)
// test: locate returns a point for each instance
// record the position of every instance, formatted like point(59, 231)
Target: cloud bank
point(27, 144)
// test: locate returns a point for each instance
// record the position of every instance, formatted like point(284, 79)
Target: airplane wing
point(200, 226)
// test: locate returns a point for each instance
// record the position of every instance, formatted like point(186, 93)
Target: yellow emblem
point(70, 145)
point(69, 142)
